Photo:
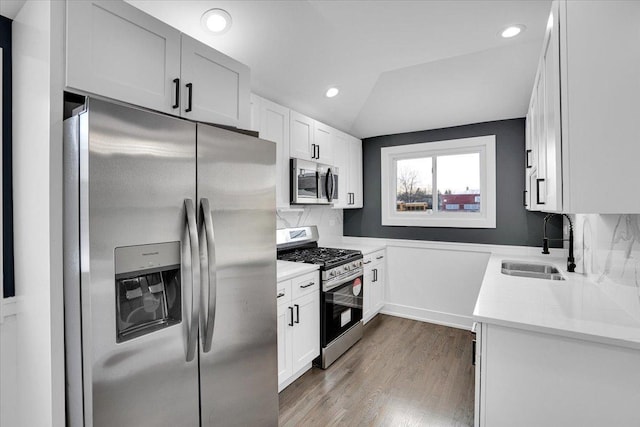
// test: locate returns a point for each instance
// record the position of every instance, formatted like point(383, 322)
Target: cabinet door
point(274, 126)
point(215, 87)
point(120, 52)
point(378, 285)
point(255, 103)
point(355, 172)
point(306, 330)
point(367, 287)
point(302, 145)
point(552, 150)
point(324, 142)
point(341, 161)
point(285, 335)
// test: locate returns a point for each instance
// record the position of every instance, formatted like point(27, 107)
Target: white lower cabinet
point(374, 280)
point(298, 326)
point(526, 378)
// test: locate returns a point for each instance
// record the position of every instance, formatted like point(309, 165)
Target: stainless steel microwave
point(313, 183)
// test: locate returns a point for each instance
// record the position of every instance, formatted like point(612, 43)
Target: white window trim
point(486, 218)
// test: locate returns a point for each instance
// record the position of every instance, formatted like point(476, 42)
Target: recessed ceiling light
point(331, 92)
point(218, 21)
point(512, 31)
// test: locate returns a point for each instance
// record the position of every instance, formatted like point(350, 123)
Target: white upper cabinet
point(273, 125)
point(355, 200)
point(322, 138)
point(302, 137)
point(119, 52)
point(583, 112)
point(215, 87)
point(311, 140)
point(348, 160)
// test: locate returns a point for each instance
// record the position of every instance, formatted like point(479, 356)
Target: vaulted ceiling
point(400, 65)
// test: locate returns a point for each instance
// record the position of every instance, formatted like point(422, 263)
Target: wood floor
point(402, 373)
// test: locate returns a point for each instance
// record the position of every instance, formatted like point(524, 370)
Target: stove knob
point(345, 267)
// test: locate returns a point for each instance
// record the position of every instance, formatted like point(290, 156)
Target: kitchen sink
point(536, 271)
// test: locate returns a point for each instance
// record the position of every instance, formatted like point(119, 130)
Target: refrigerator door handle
point(208, 266)
point(191, 232)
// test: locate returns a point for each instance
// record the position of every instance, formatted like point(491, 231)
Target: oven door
point(341, 308)
point(305, 182)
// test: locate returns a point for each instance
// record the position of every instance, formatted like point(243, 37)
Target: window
point(440, 184)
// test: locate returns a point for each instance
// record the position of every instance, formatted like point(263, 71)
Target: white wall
point(37, 164)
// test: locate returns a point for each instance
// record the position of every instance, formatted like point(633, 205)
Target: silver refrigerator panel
point(238, 356)
point(141, 168)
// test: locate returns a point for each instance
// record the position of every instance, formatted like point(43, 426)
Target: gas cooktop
point(324, 257)
point(300, 244)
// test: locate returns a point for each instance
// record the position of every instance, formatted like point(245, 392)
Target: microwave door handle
point(329, 178)
point(191, 235)
point(208, 266)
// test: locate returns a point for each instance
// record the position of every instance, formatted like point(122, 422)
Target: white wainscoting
point(436, 282)
point(8, 363)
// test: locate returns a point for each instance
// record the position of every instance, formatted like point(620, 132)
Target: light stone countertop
point(576, 307)
point(366, 249)
point(287, 269)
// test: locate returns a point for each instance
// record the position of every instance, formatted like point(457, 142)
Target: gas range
point(300, 244)
point(341, 296)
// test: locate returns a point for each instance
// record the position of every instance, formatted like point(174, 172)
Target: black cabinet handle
point(375, 274)
point(527, 159)
point(380, 257)
point(307, 285)
point(538, 181)
point(190, 99)
point(313, 151)
point(291, 314)
point(366, 262)
point(280, 295)
point(524, 198)
point(318, 156)
point(177, 83)
point(297, 313)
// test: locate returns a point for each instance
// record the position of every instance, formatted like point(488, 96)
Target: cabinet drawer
point(305, 284)
point(283, 292)
point(378, 257)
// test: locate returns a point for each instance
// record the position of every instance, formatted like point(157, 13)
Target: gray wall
point(514, 224)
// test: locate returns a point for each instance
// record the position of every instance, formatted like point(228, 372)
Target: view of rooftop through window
point(457, 180)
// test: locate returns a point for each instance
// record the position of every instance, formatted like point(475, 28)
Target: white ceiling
point(400, 65)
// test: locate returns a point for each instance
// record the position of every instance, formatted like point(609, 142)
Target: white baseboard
point(429, 316)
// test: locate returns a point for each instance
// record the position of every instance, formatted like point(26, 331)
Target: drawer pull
point(367, 262)
point(380, 257)
point(307, 285)
point(280, 294)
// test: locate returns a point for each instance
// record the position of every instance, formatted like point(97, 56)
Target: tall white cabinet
point(348, 160)
point(271, 121)
point(581, 122)
point(119, 52)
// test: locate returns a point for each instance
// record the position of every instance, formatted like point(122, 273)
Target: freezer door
point(138, 240)
point(238, 355)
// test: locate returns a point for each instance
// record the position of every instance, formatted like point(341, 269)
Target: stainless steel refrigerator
point(170, 270)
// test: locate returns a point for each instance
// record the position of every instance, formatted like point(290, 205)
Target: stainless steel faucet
point(571, 262)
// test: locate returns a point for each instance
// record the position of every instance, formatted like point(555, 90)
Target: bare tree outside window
point(414, 185)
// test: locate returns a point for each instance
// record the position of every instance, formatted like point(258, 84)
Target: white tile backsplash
point(608, 251)
point(328, 220)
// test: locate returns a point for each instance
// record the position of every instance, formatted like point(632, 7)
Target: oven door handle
point(329, 286)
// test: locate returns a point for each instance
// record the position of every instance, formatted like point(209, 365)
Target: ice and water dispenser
point(147, 289)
